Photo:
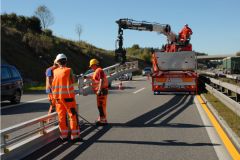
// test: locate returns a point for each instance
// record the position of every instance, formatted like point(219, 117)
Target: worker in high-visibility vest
point(63, 93)
point(185, 33)
point(154, 63)
point(100, 88)
point(49, 79)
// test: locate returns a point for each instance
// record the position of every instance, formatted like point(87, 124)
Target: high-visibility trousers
point(63, 108)
point(52, 102)
point(102, 107)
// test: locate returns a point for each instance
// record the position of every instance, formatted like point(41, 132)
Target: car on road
point(147, 71)
point(126, 77)
point(11, 84)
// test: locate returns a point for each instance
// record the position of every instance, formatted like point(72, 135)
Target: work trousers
point(52, 102)
point(102, 107)
point(64, 107)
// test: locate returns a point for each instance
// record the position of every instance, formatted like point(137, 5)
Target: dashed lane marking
point(138, 90)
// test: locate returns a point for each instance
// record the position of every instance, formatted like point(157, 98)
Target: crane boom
point(164, 29)
point(175, 42)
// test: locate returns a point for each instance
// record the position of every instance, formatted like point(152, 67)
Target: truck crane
point(174, 66)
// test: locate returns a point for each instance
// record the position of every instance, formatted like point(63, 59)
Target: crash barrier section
point(227, 93)
point(112, 73)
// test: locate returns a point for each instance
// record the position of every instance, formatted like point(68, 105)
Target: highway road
point(142, 126)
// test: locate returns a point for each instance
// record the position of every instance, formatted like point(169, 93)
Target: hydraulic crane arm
point(165, 29)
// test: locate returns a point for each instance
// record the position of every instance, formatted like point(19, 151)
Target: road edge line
point(230, 133)
point(221, 133)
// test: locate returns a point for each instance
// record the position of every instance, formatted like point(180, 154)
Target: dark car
point(147, 71)
point(11, 84)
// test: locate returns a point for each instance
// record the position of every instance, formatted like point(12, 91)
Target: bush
point(21, 23)
point(47, 32)
point(38, 42)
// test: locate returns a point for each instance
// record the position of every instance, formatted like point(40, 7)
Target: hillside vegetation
point(32, 50)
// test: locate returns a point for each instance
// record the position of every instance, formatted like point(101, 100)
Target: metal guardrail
point(227, 93)
point(213, 74)
point(10, 146)
point(112, 72)
point(47, 131)
point(228, 89)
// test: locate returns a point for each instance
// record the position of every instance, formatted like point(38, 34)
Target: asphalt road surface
point(142, 126)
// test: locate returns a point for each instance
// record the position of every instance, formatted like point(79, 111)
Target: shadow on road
point(27, 108)
point(158, 117)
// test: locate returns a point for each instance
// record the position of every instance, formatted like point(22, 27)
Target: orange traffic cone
point(120, 87)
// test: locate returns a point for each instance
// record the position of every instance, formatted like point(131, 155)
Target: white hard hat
point(60, 56)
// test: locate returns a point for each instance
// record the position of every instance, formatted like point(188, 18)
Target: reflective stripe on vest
point(62, 85)
point(54, 87)
point(95, 82)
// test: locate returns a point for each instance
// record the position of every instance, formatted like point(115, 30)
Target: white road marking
point(138, 90)
point(14, 105)
point(117, 83)
point(220, 150)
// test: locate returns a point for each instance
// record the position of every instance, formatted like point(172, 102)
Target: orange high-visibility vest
point(96, 81)
point(154, 63)
point(62, 85)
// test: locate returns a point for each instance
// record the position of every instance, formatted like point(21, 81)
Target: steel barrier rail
point(227, 89)
point(22, 145)
point(213, 74)
point(30, 141)
point(229, 102)
point(112, 72)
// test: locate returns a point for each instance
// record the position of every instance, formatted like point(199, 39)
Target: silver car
point(126, 77)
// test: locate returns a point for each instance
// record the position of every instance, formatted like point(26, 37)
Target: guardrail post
point(222, 89)
point(42, 124)
point(237, 97)
point(229, 92)
point(3, 142)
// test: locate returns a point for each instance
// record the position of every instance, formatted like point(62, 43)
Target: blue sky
point(215, 23)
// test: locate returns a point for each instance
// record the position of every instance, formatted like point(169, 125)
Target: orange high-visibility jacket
point(96, 79)
point(185, 32)
point(62, 85)
point(154, 63)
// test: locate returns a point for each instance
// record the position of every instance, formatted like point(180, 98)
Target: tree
point(79, 30)
point(45, 16)
point(135, 46)
point(238, 53)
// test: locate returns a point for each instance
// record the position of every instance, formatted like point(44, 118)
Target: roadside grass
point(37, 87)
point(232, 119)
point(31, 88)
